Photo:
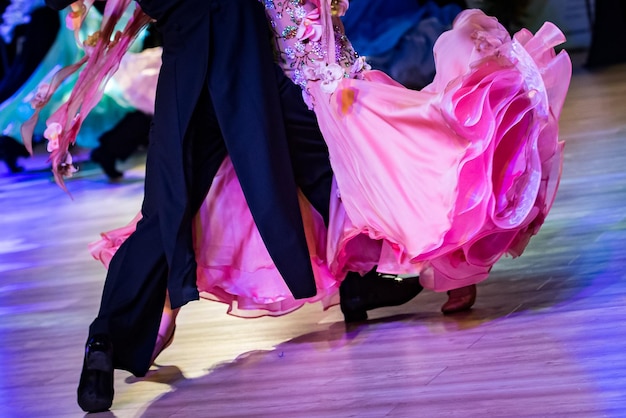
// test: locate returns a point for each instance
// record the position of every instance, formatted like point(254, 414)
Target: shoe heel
point(350, 316)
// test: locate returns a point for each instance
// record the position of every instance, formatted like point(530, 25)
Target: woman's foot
point(162, 342)
point(460, 299)
point(166, 329)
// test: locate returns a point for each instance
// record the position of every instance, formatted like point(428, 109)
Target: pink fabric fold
point(441, 182)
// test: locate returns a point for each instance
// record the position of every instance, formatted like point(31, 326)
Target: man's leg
point(124, 333)
point(121, 142)
point(133, 298)
point(134, 293)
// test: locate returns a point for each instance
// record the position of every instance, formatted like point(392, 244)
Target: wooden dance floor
point(547, 336)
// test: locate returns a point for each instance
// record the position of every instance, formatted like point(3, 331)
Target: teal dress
point(110, 110)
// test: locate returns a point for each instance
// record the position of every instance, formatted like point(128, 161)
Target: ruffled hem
point(472, 161)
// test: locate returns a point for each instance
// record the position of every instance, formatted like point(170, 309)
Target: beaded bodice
point(311, 44)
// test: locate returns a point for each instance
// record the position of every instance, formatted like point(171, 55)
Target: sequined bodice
point(311, 44)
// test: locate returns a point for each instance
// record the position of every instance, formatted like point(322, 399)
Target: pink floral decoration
point(74, 19)
point(310, 27)
point(52, 134)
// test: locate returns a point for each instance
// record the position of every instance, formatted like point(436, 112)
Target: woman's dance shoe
point(162, 343)
point(460, 299)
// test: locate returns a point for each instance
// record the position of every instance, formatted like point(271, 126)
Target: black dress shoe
point(95, 390)
point(361, 294)
point(106, 162)
point(10, 151)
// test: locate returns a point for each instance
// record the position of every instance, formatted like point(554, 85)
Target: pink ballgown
point(440, 182)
